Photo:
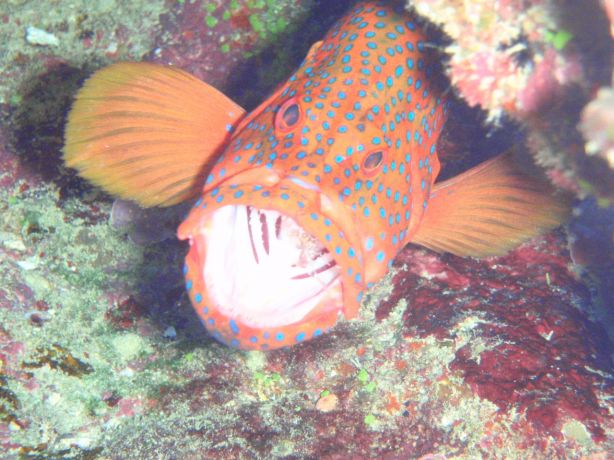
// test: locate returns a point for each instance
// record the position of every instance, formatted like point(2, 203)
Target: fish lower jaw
point(262, 269)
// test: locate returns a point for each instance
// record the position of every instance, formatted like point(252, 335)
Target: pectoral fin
point(489, 210)
point(147, 132)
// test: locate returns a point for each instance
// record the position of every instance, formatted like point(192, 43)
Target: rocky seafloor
point(101, 355)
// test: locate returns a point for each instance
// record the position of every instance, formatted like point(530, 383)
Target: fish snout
point(266, 267)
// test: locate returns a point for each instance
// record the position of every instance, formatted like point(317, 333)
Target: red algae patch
point(531, 349)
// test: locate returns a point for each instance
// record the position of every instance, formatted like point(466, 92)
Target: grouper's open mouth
point(261, 268)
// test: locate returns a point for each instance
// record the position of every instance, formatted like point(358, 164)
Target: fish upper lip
point(304, 184)
point(323, 200)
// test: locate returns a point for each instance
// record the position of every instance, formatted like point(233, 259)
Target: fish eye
point(372, 161)
point(288, 116)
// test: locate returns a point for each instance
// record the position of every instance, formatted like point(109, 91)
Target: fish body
point(347, 149)
point(311, 195)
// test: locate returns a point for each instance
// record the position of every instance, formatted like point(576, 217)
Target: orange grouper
point(303, 203)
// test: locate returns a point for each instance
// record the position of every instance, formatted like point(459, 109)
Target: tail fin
point(147, 132)
point(489, 210)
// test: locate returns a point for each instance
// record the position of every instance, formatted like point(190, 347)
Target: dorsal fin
point(311, 54)
point(489, 210)
point(147, 132)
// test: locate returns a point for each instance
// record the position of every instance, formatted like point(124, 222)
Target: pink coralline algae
point(597, 126)
point(505, 56)
point(539, 62)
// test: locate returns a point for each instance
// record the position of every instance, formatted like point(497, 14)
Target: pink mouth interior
point(263, 269)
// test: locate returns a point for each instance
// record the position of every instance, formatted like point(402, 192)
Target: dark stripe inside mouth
point(248, 209)
point(323, 268)
point(265, 232)
point(278, 227)
point(258, 226)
